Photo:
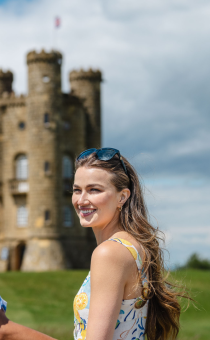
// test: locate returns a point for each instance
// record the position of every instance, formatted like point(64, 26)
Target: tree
point(196, 262)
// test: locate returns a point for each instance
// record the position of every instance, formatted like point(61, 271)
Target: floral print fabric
point(3, 304)
point(131, 321)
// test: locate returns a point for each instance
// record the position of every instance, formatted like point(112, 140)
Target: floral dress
point(3, 304)
point(131, 320)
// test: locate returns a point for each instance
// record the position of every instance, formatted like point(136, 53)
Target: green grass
point(44, 301)
point(195, 322)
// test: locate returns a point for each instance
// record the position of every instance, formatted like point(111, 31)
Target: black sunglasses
point(104, 154)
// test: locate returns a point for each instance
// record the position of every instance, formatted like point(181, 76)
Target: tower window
point(46, 79)
point(22, 216)
point(46, 119)
point(47, 167)
point(22, 167)
point(67, 216)
point(22, 125)
point(67, 167)
point(66, 125)
point(47, 215)
point(4, 253)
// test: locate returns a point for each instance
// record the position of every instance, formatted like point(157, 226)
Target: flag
point(57, 22)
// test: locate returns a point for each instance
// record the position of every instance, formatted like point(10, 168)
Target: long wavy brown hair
point(163, 307)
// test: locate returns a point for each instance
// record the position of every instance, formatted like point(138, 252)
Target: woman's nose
point(83, 198)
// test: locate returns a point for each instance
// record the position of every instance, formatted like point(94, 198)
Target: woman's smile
point(84, 212)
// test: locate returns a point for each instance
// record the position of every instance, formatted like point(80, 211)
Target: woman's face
point(95, 198)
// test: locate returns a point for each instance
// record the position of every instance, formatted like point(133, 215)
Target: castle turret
point(44, 251)
point(6, 79)
point(86, 85)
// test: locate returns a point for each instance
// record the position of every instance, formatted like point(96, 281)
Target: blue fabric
point(3, 304)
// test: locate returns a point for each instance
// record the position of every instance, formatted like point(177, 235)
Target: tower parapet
point(51, 57)
point(90, 75)
point(10, 99)
point(86, 85)
point(6, 79)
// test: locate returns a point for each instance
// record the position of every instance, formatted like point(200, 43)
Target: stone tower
point(86, 85)
point(44, 106)
point(40, 135)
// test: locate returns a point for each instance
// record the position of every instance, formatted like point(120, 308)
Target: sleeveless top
point(3, 304)
point(131, 320)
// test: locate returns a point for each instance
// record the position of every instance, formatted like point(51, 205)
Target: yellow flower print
point(80, 302)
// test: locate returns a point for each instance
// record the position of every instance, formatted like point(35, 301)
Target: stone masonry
point(40, 136)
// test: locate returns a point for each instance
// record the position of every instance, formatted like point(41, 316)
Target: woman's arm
point(109, 274)
point(12, 331)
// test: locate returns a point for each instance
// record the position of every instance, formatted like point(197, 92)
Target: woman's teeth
point(86, 211)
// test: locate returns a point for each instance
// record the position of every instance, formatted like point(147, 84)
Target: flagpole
point(57, 23)
point(53, 38)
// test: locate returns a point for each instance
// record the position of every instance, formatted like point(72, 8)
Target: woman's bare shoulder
point(111, 254)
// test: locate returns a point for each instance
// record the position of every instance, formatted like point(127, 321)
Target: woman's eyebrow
point(95, 185)
point(76, 186)
point(89, 185)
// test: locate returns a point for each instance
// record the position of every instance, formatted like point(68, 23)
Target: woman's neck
point(103, 234)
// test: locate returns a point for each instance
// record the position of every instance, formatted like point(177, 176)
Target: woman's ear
point(124, 195)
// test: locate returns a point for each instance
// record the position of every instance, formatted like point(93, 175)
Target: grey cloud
point(124, 10)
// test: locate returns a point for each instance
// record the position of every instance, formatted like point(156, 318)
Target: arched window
point(47, 215)
point(67, 216)
point(46, 118)
point(47, 167)
point(67, 167)
point(22, 167)
point(22, 216)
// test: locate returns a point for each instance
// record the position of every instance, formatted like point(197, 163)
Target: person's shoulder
point(112, 254)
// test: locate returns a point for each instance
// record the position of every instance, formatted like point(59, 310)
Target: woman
point(126, 295)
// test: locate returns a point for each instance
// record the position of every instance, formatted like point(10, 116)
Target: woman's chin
point(85, 223)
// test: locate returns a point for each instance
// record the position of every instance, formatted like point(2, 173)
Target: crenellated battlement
point(88, 75)
point(10, 99)
point(43, 56)
point(8, 75)
point(6, 79)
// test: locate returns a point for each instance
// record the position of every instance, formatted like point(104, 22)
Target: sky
point(155, 59)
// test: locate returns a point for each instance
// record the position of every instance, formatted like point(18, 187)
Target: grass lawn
point(195, 322)
point(44, 301)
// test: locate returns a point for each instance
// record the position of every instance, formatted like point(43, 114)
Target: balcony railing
point(19, 187)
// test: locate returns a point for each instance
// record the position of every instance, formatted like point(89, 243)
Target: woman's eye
point(76, 190)
point(94, 189)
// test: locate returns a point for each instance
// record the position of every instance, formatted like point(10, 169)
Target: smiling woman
point(126, 296)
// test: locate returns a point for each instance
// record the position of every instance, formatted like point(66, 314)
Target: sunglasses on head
point(104, 154)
